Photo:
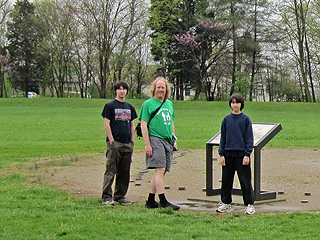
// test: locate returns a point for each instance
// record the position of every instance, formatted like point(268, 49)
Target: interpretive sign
point(263, 133)
point(260, 130)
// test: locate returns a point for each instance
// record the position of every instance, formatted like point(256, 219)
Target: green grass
point(44, 213)
point(54, 128)
point(32, 128)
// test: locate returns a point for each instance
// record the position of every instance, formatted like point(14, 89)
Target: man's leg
point(111, 169)
point(153, 188)
point(161, 161)
point(159, 186)
point(151, 202)
point(123, 173)
point(107, 184)
point(158, 181)
point(156, 163)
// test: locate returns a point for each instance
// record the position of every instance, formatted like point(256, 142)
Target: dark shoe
point(108, 203)
point(169, 205)
point(123, 201)
point(153, 204)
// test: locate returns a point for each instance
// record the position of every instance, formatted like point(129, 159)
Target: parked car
point(32, 95)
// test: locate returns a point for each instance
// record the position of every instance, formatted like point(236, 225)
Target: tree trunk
point(1, 83)
point(181, 90)
point(234, 50)
point(300, 21)
point(253, 69)
point(309, 68)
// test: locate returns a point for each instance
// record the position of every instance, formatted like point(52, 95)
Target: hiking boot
point(123, 201)
point(224, 208)
point(250, 209)
point(153, 204)
point(169, 205)
point(107, 203)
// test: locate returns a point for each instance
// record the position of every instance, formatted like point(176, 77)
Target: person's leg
point(161, 161)
point(111, 169)
point(123, 173)
point(153, 188)
point(159, 183)
point(157, 162)
point(151, 202)
point(228, 172)
point(158, 179)
point(244, 175)
point(154, 162)
point(164, 203)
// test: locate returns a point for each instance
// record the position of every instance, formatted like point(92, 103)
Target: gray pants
point(119, 157)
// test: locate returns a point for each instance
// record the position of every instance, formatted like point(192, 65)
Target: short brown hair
point(238, 98)
point(153, 88)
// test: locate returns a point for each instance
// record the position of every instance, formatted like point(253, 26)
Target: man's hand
point(175, 146)
point(148, 149)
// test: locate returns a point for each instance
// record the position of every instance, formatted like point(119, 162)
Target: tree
point(294, 14)
point(162, 20)
point(181, 65)
point(205, 48)
point(4, 12)
point(109, 26)
point(4, 67)
point(134, 15)
point(23, 38)
point(52, 47)
point(173, 24)
point(139, 63)
point(235, 14)
point(301, 35)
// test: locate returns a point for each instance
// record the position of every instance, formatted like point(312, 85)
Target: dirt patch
point(293, 173)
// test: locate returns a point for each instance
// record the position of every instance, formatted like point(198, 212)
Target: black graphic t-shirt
point(120, 115)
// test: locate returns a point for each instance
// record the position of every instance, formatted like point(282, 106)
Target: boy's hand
point(246, 160)
point(222, 160)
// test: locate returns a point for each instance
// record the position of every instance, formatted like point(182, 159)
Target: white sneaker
point(250, 209)
point(224, 208)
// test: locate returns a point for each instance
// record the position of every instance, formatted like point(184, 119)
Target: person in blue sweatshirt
point(236, 144)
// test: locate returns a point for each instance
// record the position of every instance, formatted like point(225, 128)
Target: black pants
point(234, 163)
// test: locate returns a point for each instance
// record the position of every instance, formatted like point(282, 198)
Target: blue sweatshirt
point(236, 134)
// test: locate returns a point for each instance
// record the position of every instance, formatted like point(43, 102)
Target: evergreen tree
point(23, 38)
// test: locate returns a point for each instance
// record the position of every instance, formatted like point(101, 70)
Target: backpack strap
point(155, 112)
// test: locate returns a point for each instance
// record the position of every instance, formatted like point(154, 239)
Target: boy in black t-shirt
point(119, 118)
point(236, 144)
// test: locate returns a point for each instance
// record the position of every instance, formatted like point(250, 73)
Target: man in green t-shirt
point(158, 139)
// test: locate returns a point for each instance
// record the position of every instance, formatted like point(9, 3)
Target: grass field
point(32, 128)
point(44, 127)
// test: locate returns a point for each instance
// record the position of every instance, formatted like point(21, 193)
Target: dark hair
point(238, 98)
point(120, 84)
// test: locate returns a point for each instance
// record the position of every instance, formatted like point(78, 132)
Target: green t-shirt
point(161, 124)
